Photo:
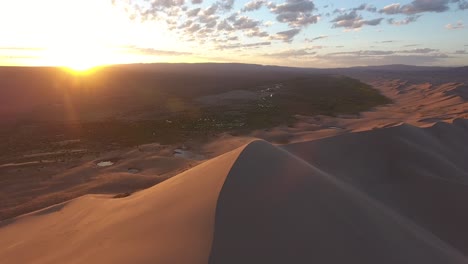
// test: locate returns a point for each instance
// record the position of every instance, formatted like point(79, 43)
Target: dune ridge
point(421, 173)
point(171, 222)
point(390, 195)
point(292, 212)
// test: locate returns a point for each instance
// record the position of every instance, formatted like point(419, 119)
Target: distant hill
point(401, 67)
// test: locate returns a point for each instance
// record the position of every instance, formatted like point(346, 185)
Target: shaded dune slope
point(419, 173)
point(393, 195)
point(276, 208)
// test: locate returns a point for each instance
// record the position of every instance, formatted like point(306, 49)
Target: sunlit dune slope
point(170, 223)
point(393, 195)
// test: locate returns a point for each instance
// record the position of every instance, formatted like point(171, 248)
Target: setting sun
point(78, 57)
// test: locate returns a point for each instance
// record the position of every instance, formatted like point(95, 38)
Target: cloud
point(155, 52)
point(287, 35)
point(420, 51)
point(426, 59)
point(417, 6)
point(361, 7)
point(193, 28)
point(367, 53)
point(226, 4)
point(405, 21)
point(292, 53)
point(296, 13)
point(256, 32)
point(373, 22)
point(253, 5)
point(352, 20)
point(463, 5)
point(208, 19)
point(225, 26)
point(242, 45)
point(210, 10)
point(248, 26)
point(244, 22)
point(365, 7)
point(364, 53)
point(391, 9)
point(186, 24)
point(383, 57)
point(157, 4)
point(461, 52)
point(294, 6)
point(193, 12)
point(316, 38)
point(458, 25)
point(411, 45)
point(211, 23)
point(346, 16)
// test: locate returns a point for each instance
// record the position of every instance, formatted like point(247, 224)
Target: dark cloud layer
point(405, 21)
point(247, 45)
point(156, 52)
point(287, 35)
point(316, 38)
point(296, 13)
point(254, 5)
point(366, 53)
point(417, 6)
point(292, 53)
point(353, 20)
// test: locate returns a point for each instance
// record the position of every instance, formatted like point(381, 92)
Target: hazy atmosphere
point(306, 33)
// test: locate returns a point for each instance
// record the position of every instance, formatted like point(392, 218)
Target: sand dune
point(170, 223)
point(421, 102)
point(392, 195)
point(420, 173)
point(286, 211)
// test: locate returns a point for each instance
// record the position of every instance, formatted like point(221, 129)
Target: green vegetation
point(146, 107)
point(328, 95)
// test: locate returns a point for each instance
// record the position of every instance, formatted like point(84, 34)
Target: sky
point(302, 33)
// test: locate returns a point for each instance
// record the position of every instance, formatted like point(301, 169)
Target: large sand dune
point(392, 195)
point(172, 222)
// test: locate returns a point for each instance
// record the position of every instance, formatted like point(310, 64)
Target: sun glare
point(76, 42)
point(81, 65)
point(78, 57)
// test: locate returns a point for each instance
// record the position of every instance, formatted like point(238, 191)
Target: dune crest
point(286, 211)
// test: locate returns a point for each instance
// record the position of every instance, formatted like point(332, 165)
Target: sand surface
point(385, 186)
point(172, 222)
point(285, 210)
point(264, 204)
